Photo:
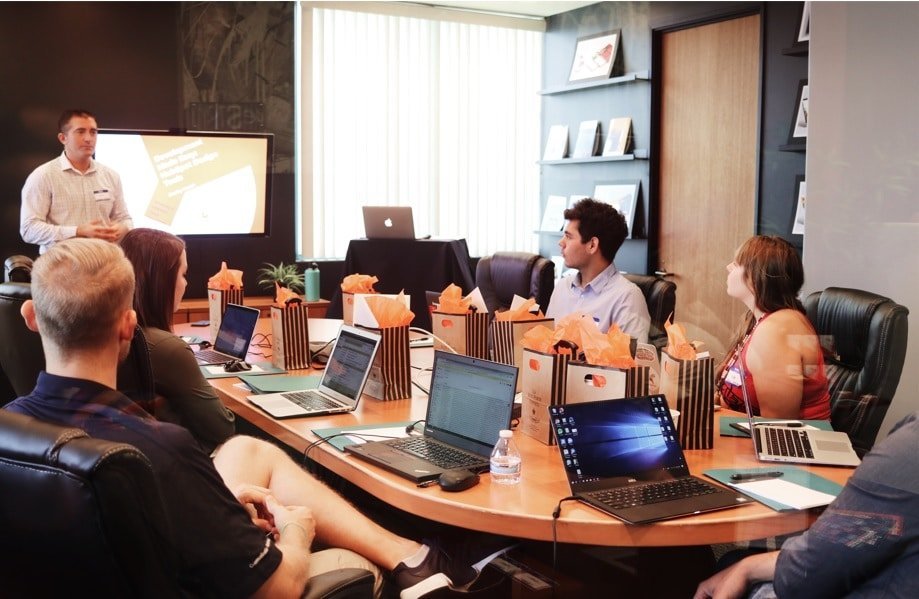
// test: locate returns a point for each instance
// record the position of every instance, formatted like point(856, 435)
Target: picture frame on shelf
point(553, 219)
point(797, 224)
point(804, 27)
point(798, 132)
point(596, 57)
point(618, 137)
point(556, 143)
point(623, 196)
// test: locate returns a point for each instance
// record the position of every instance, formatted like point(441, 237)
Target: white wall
point(862, 227)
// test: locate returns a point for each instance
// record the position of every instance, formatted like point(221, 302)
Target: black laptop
point(470, 403)
point(233, 336)
point(623, 457)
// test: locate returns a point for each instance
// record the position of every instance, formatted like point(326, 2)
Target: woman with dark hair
point(184, 397)
point(776, 349)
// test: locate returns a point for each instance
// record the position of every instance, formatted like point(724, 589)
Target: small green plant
point(286, 275)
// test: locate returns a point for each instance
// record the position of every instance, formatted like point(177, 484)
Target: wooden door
point(708, 163)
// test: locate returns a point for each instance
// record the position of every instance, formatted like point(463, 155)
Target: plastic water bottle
point(505, 460)
point(312, 282)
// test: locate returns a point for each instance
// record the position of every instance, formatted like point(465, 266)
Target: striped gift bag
point(506, 336)
point(544, 379)
point(466, 334)
point(689, 386)
point(391, 376)
point(290, 336)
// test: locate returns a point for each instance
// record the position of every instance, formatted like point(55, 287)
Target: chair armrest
point(346, 583)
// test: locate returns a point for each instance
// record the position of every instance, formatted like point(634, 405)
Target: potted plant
point(285, 275)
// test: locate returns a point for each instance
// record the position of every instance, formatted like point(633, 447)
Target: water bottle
point(505, 460)
point(312, 282)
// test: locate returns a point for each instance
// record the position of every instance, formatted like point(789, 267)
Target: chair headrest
point(15, 291)
point(18, 268)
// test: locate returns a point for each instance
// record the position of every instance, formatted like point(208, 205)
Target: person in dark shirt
point(243, 522)
point(866, 543)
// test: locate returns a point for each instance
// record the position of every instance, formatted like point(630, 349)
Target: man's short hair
point(69, 114)
point(600, 220)
point(81, 288)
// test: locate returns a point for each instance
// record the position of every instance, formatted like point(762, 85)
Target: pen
point(755, 476)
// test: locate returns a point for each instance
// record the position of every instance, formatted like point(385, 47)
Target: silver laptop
point(342, 380)
point(471, 400)
point(233, 336)
point(793, 442)
point(623, 457)
point(388, 222)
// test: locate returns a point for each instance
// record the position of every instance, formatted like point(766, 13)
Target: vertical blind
point(440, 116)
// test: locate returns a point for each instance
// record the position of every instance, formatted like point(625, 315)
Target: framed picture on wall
point(798, 132)
point(804, 28)
point(622, 195)
point(595, 57)
point(797, 225)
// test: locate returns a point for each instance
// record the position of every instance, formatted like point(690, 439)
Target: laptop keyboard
point(311, 400)
point(646, 494)
point(209, 355)
point(788, 442)
point(441, 455)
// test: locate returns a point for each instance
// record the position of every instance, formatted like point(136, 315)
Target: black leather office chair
point(17, 269)
point(21, 356)
point(864, 340)
point(660, 295)
point(501, 276)
point(84, 514)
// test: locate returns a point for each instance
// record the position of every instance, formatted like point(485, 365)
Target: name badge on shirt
point(733, 378)
point(102, 194)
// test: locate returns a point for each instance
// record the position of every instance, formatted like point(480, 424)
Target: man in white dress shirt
point(593, 235)
point(73, 195)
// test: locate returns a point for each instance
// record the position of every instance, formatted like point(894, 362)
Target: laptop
point(470, 403)
point(388, 222)
point(233, 336)
point(342, 381)
point(623, 457)
point(776, 442)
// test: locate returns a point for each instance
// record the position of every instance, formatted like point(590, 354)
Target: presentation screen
point(192, 183)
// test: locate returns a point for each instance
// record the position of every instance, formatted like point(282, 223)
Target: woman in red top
point(776, 344)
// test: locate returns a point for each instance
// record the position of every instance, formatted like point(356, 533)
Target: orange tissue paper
point(521, 313)
point(284, 296)
point(452, 301)
point(358, 283)
point(390, 312)
point(226, 278)
point(677, 345)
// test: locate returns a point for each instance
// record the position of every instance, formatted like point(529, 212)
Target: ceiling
point(532, 9)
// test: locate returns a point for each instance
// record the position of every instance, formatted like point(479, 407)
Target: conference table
point(524, 510)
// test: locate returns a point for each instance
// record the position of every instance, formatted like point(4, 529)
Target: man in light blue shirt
point(594, 233)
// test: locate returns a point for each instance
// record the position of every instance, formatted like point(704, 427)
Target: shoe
point(438, 570)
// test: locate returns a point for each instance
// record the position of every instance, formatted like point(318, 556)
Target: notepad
point(279, 383)
point(807, 489)
point(779, 490)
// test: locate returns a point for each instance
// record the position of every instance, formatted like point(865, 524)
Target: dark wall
point(145, 65)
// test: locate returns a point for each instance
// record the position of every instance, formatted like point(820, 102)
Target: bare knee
point(243, 459)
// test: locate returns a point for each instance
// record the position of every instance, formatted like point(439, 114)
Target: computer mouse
point(237, 366)
point(458, 480)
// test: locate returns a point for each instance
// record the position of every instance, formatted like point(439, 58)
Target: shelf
point(636, 76)
point(798, 147)
point(800, 49)
point(635, 155)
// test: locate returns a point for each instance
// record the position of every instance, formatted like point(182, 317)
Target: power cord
point(318, 360)
point(555, 515)
point(411, 428)
point(433, 336)
point(321, 440)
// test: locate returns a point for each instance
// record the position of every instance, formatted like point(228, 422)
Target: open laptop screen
point(348, 364)
point(632, 437)
point(470, 398)
point(236, 328)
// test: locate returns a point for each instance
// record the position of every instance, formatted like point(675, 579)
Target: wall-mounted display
point(595, 57)
point(798, 131)
point(556, 143)
point(797, 227)
point(622, 195)
point(588, 140)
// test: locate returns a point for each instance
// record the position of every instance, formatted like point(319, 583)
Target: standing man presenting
point(73, 195)
point(593, 235)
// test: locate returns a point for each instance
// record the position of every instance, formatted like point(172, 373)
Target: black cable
point(555, 514)
point(321, 440)
point(318, 360)
point(411, 428)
